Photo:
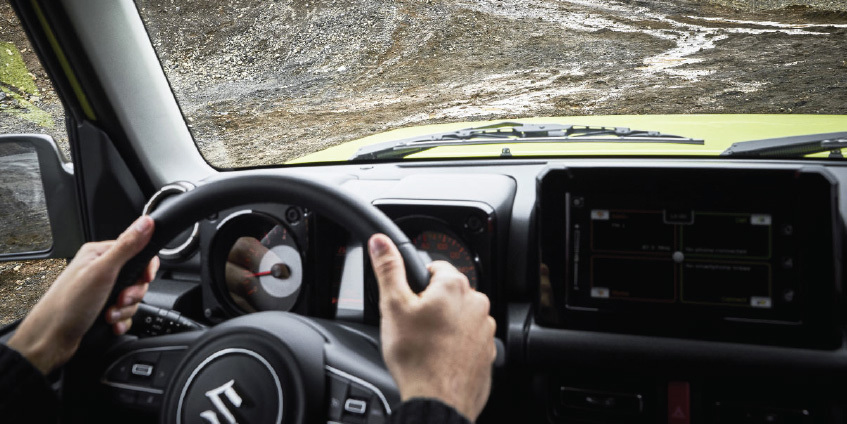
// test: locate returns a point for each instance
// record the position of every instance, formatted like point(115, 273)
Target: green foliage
point(13, 72)
point(18, 88)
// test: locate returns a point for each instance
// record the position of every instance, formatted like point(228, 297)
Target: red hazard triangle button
point(679, 402)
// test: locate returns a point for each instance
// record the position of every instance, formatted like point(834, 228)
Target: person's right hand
point(439, 343)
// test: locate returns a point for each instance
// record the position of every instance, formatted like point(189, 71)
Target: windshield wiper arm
point(516, 132)
point(788, 147)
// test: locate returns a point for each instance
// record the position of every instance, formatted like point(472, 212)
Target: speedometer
point(441, 246)
point(262, 263)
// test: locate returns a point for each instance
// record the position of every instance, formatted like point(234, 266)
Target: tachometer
point(262, 264)
point(441, 246)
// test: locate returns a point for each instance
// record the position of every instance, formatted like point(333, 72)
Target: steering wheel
point(261, 367)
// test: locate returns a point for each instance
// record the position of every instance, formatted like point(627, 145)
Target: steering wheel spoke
point(137, 373)
point(264, 367)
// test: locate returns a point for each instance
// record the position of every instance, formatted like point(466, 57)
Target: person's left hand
point(53, 329)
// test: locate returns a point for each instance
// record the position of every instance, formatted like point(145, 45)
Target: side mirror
point(39, 210)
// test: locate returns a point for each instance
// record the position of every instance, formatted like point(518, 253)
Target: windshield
point(264, 83)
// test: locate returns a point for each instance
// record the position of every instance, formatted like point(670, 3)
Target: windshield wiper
point(790, 147)
point(516, 132)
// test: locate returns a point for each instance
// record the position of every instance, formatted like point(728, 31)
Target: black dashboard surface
point(773, 346)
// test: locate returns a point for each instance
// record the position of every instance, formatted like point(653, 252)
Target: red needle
point(280, 271)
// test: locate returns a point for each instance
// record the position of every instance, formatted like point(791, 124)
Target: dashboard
point(667, 291)
point(282, 257)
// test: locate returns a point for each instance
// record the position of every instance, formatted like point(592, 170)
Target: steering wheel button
point(337, 393)
point(142, 370)
point(356, 406)
point(119, 372)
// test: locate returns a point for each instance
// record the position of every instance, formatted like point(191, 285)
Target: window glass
point(28, 101)
point(28, 104)
point(262, 82)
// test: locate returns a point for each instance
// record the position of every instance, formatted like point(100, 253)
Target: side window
point(28, 104)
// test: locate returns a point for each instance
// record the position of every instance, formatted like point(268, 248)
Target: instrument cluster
point(274, 257)
point(254, 259)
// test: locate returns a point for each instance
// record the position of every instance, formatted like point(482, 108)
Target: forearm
point(41, 352)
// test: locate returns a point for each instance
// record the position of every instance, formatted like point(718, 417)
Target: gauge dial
point(441, 246)
point(263, 265)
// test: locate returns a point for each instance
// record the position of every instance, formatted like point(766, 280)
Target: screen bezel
point(809, 192)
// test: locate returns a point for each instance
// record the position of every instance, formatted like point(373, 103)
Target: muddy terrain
point(262, 85)
point(28, 102)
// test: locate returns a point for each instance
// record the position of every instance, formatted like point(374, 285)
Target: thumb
point(130, 242)
point(390, 272)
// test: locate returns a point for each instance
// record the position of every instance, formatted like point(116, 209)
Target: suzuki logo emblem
point(214, 395)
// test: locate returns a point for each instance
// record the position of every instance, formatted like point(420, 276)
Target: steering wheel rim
point(360, 218)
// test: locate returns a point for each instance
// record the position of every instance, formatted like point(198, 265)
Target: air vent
point(184, 244)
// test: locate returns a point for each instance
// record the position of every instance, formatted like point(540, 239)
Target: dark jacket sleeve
point(25, 394)
point(426, 411)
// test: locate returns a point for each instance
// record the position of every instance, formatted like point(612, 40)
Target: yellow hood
point(718, 131)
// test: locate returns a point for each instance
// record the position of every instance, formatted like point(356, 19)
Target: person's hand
point(53, 329)
point(439, 343)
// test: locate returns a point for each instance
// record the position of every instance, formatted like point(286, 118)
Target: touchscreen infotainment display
point(645, 244)
point(628, 251)
point(722, 254)
point(705, 257)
